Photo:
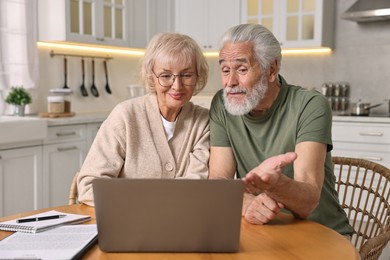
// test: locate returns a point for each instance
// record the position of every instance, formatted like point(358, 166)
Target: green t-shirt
point(297, 115)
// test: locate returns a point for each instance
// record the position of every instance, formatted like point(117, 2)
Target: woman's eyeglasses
point(167, 79)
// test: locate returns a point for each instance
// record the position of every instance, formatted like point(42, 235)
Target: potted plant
point(19, 97)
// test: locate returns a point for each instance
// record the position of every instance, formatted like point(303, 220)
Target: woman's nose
point(177, 83)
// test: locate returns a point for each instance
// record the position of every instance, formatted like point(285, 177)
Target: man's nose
point(232, 79)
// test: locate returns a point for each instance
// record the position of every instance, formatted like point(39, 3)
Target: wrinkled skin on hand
point(267, 174)
point(262, 208)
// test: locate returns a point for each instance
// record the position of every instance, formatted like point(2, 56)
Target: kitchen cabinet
point(123, 23)
point(366, 140)
point(149, 17)
point(84, 21)
point(38, 173)
point(92, 129)
point(295, 23)
point(21, 180)
point(363, 137)
point(64, 151)
point(206, 21)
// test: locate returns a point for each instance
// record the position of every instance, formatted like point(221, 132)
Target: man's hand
point(261, 209)
point(267, 174)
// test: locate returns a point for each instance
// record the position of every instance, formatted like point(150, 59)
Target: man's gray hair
point(266, 46)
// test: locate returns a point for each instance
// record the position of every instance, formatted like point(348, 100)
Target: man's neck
point(266, 103)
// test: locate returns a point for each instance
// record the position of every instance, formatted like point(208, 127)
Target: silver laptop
point(167, 215)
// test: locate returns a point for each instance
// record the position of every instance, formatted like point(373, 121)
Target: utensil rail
point(52, 54)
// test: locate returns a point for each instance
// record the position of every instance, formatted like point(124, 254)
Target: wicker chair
point(73, 193)
point(364, 190)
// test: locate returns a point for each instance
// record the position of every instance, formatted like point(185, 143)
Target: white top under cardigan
point(131, 143)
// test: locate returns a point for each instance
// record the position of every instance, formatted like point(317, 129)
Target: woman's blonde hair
point(172, 47)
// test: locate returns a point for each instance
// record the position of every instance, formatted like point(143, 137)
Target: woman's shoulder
point(197, 109)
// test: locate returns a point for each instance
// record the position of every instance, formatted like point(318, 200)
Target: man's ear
point(273, 71)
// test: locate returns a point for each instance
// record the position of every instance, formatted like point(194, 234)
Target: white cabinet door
point(191, 18)
point(92, 130)
point(264, 12)
point(295, 23)
point(20, 180)
point(206, 21)
point(61, 162)
point(147, 18)
point(370, 141)
point(86, 21)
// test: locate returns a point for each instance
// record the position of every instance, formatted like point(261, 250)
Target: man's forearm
point(299, 197)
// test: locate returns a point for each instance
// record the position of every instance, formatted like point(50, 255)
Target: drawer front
point(361, 133)
point(66, 133)
point(375, 153)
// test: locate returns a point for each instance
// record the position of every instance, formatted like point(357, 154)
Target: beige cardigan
point(131, 143)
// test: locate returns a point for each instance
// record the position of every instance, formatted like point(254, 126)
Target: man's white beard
point(251, 101)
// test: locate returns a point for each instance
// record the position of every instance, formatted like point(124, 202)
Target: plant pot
point(19, 110)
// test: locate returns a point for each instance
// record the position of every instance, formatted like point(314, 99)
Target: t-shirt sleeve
point(315, 122)
point(218, 128)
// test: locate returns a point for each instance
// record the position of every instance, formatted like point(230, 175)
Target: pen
point(23, 220)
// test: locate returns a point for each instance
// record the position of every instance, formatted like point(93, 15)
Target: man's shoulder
point(298, 92)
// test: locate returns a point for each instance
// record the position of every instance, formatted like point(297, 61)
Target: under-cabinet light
point(140, 52)
point(306, 51)
point(113, 50)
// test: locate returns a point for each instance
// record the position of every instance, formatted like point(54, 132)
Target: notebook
point(161, 215)
point(39, 226)
point(64, 242)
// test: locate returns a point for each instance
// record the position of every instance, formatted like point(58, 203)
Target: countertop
point(362, 119)
point(78, 118)
point(101, 116)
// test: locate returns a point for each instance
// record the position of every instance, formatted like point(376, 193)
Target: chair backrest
point(364, 190)
point(73, 193)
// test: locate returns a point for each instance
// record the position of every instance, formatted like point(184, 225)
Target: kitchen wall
point(122, 71)
point(360, 56)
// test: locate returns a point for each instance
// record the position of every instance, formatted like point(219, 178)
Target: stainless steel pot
point(361, 108)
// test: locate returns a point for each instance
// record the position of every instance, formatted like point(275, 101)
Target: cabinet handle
point(370, 133)
point(61, 149)
point(373, 158)
point(66, 134)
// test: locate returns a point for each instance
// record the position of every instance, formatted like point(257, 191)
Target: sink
point(20, 129)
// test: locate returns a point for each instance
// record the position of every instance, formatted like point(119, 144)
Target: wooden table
point(283, 238)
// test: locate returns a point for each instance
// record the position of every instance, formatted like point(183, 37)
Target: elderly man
point(258, 115)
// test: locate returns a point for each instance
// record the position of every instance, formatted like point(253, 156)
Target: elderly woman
point(161, 134)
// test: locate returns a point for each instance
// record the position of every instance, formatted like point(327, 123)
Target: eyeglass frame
point(174, 78)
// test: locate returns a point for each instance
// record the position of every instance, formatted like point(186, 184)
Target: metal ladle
point(106, 73)
point(83, 90)
point(94, 90)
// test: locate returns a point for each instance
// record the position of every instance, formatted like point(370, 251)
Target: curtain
point(19, 63)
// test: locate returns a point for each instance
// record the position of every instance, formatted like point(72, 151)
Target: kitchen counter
point(363, 119)
point(80, 118)
point(32, 129)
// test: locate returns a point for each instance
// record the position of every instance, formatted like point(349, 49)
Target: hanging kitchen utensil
point(83, 89)
point(94, 90)
point(106, 73)
point(65, 72)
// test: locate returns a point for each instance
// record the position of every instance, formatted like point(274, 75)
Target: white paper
point(63, 242)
